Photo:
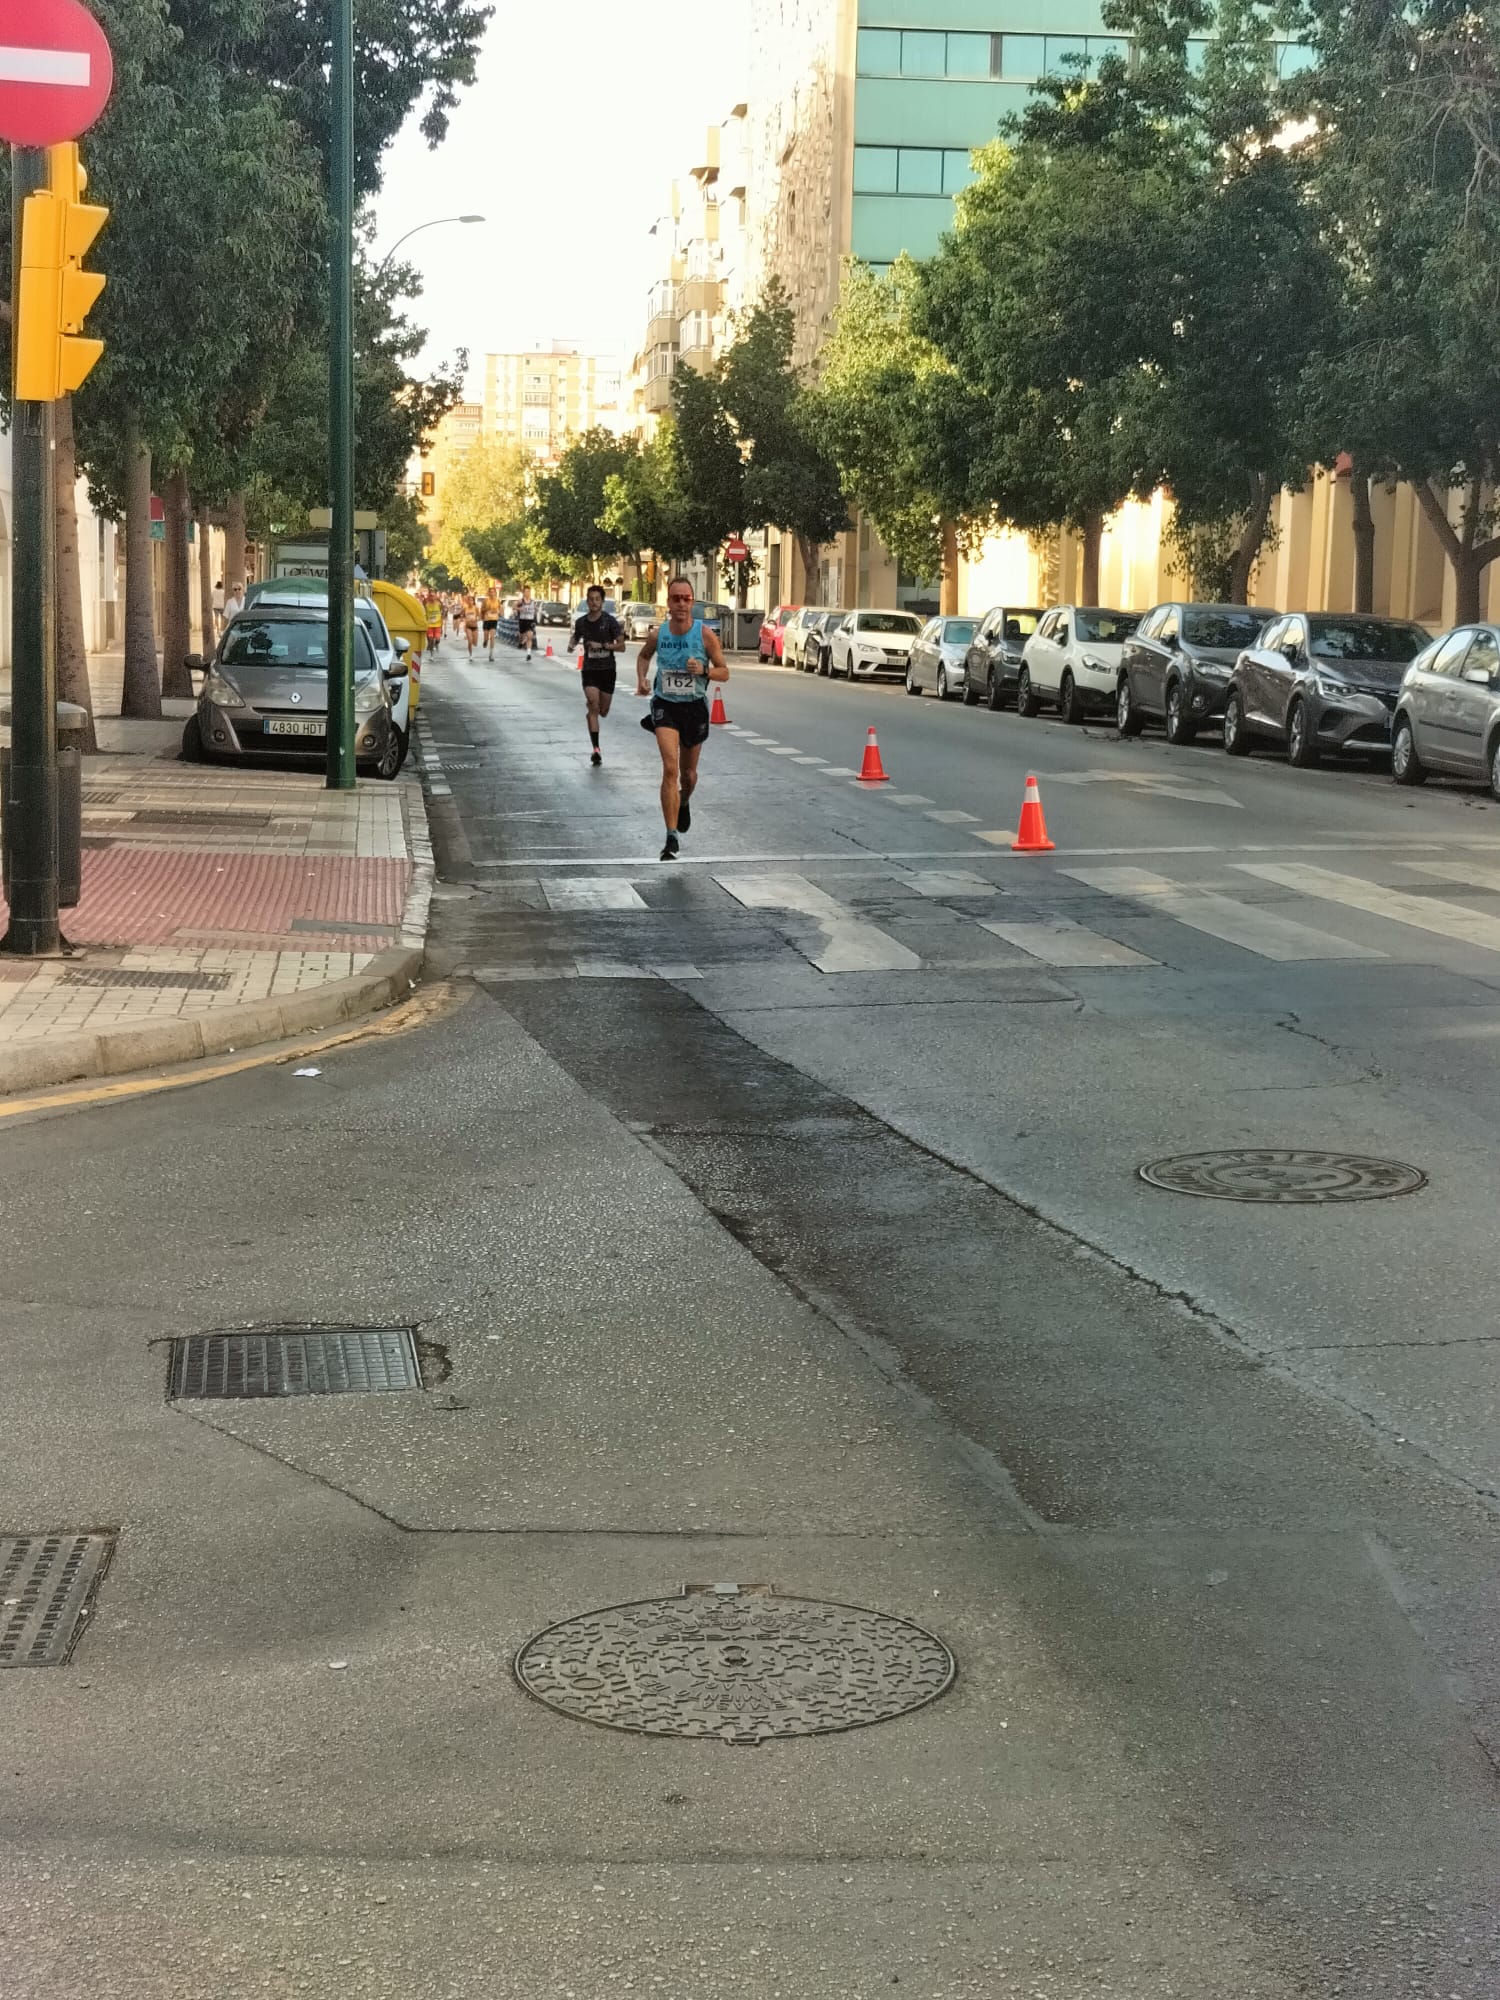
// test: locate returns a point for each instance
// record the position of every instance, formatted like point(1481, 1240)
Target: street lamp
point(437, 222)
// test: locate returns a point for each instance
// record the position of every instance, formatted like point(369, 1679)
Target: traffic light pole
point(341, 774)
point(31, 808)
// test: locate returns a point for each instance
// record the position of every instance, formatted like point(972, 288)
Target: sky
point(582, 114)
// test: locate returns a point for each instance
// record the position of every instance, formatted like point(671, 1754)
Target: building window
point(922, 52)
point(919, 170)
point(927, 170)
point(875, 169)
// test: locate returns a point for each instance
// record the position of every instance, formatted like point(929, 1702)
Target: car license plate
point(294, 725)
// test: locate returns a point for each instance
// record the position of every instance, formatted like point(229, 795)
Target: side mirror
point(1290, 650)
point(1480, 676)
point(398, 670)
point(403, 647)
point(196, 664)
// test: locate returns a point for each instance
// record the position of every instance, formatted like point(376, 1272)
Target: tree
point(571, 500)
point(485, 488)
point(1404, 167)
point(647, 507)
point(518, 550)
point(707, 462)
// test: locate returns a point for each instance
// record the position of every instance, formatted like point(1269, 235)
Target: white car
point(1072, 661)
point(387, 649)
point(869, 644)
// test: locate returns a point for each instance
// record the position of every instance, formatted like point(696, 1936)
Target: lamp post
point(340, 765)
point(437, 222)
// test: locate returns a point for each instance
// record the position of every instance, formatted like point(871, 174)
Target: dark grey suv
point(1176, 665)
point(1321, 680)
point(992, 665)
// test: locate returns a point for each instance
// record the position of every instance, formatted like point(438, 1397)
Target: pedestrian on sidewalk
point(601, 636)
point(688, 656)
point(234, 603)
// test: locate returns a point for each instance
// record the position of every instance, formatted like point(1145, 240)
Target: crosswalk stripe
point(584, 892)
point(954, 818)
point(847, 945)
point(782, 750)
point(839, 771)
point(1243, 924)
point(907, 799)
point(609, 968)
point(1059, 941)
point(954, 882)
point(1476, 874)
point(809, 760)
point(1449, 920)
point(675, 971)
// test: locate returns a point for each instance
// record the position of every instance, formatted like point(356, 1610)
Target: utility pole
point(341, 773)
point(31, 807)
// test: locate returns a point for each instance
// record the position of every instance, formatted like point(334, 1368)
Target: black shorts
point(490, 624)
point(527, 627)
point(601, 677)
point(688, 718)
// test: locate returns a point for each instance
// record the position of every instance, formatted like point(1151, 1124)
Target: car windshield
point(1020, 625)
point(1386, 639)
point(1229, 630)
point(888, 621)
point(1106, 628)
point(959, 631)
point(289, 643)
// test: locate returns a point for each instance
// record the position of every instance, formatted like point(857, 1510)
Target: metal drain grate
point(176, 982)
point(741, 1664)
point(294, 1361)
point(47, 1586)
point(1283, 1174)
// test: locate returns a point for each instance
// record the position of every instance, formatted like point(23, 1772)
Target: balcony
point(700, 295)
point(656, 394)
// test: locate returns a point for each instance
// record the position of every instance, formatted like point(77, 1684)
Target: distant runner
point(601, 636)
point(687, 658)
point(471, 622)
point(526, 621)
point(490, 610)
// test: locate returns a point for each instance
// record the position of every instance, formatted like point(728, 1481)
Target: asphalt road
point(773, 1217)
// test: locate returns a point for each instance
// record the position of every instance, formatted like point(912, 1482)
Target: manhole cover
point(47, 1585)
point(294, 1361)
point(744, 1665)
point(185, 982)
point(1273, 1173)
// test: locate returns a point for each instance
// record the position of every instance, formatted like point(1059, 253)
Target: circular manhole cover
point(743, 1665)
point(1285, 1174)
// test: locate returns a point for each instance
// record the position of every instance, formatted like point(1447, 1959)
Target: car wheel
point(1301, 748)
point(1495, 766)
point(392, 755)
point(1406, 766)
point(1026, 698)
point(1128, 718)
point(1236, 735)
point(942, 684)
point(192, 751)
point(992, 691)
point(971, 693)
point(1180, 727)
point(1069, 701)
point(911, 685)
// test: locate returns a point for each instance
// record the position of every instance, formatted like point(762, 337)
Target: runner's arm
point(717, 668)
point(643, 660)
point(617, 644)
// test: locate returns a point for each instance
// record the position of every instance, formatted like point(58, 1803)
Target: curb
point(388, 979)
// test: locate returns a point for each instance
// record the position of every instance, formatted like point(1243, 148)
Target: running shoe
point(596, 760)
point(669, 852)
point(684, 818)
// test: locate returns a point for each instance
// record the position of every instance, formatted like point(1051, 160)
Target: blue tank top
point(674, 680)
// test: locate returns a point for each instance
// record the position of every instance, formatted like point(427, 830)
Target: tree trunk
point(1364, 536)
point(207, 625)
point(1093, 540)
point(948, 597)
point(1468, 575)
point(177, 639)
point(808, 549)
point(141, 693)
point(72, 647)
point(1468, 557)
point(234, 546)
point(1247, 549)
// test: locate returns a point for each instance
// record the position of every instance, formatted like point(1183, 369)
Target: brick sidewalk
point(220, 908)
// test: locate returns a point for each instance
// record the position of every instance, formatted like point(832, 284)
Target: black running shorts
point(688, 718)
point(602, 678)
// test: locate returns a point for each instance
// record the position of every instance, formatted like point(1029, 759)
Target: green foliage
point(485, 488)
point(707, 463)
point(647, 506)
point(572, 501)
point(517, 551)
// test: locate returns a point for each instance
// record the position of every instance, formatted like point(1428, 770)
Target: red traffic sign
point(736, 551)
point(56, 71)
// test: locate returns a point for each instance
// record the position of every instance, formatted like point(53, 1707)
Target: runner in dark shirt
point(601, 636)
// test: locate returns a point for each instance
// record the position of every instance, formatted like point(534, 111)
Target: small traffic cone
point(716, 713)
point(549, 649)
point(872, 771)
point(1032, 837)
point(578, 663)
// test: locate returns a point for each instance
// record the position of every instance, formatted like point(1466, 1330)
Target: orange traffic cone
point(549, 649)
point(578, 663)
point(1032, 837)
point(716, 713)
point(872, 771)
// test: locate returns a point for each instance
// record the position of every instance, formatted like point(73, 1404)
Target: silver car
point(939, 658)
point(265, 693)
point(800, 627)
point(1319, 681)
point(1448, 712)
point(640, 620)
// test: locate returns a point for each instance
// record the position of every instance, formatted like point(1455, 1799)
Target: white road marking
point(848, 944)
point(67, 67)
point(952, 818)
point(1243, 924)
point(907, 799)
point(763, 742)
point(591, 893)
point(935, 882)
point(1449, 920)
point(1059, 941)
point(839, 771)
point(609, 968)
point(675, 971)
point(809, 760)
point(782, 750)
point(1475, 874)
point(495, 975)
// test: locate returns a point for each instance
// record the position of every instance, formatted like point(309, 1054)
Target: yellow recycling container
point(407, 618)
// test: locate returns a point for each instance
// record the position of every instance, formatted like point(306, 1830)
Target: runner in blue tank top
point(687, 658)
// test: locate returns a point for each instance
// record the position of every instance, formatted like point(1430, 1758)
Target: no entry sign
point(55, 71)
point(736, 551)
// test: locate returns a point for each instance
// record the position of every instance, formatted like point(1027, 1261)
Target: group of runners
point(674, 671)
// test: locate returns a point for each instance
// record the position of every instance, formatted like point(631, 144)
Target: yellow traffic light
point(57, 294)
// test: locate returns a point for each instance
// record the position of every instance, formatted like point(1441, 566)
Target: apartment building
point(550, 394)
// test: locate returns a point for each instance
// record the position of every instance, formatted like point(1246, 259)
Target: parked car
point(797, 633)
point(993, 665)
point(1448, 712)
point(266, 692)
point(716, 617)
point(639, 620)
point(581, 609)
point(939, 657)
point(1320, 681)
point(817, 647)
point(773, 632)
point(312, 594)
point(1072, 660)
point(867, 644)
point(550, 612)
point(1176, 665)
